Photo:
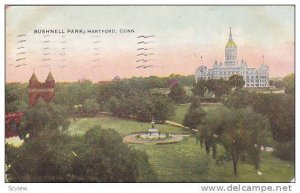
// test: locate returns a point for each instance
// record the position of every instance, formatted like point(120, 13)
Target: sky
point(177, 37)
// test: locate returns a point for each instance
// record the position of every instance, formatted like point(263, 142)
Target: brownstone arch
point(38, 90)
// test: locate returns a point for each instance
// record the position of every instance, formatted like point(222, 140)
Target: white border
point(123, 187)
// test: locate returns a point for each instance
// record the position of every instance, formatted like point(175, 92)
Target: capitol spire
point(230, 35)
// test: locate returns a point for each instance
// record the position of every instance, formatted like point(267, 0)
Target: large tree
point(236, 81)
point(15, 97)
point(289, 84)
point(238, 131)
point(44, 116)
point(195, 114)
point(221, 87)
point(98, 156)
point(177, 93)
point(199, 88)
point(90, 106)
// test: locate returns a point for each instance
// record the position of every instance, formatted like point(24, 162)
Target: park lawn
point(122, 126)
point(186, 161)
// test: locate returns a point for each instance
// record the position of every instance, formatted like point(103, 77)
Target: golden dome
point(230, 44)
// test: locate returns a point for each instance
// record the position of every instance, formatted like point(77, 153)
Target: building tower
point(230, 52)
point(38, 90)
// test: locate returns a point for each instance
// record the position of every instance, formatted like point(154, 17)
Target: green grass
point(122, 126)
point(186, 161)
point(180, 111)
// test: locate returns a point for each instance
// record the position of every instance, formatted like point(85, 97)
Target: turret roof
point(49, 77)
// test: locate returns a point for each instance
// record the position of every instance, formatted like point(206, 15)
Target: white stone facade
point(253, 77)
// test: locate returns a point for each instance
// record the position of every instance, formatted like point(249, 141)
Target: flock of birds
point(144, 52)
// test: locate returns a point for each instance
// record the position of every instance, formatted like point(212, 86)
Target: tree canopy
point(98, 156)
point(238, 131)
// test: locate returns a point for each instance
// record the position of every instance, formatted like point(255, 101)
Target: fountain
point(153, 136)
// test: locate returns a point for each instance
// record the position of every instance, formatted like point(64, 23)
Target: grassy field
point(186, 161)
point(122, 126)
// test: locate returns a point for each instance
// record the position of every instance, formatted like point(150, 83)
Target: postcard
point(149, 93)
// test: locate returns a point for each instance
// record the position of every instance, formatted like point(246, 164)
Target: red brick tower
point(43, 90)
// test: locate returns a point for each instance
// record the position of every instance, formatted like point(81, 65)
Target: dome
point(230, 44)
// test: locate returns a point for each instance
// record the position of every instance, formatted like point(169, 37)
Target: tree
point(221, 87)
point(98, 156)
point(177, 93)
point(90, 106)
point(195, 114)
point(199, 88)
point(236, 81)
point(210, 85)
point(289, 84)
point(15, 99)
point(44, 116)
point(240, 99)
point(238, 131)
point(163, 107)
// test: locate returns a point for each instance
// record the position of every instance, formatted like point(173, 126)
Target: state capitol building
point(253, 77)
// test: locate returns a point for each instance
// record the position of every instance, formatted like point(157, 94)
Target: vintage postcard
point(156, 93)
